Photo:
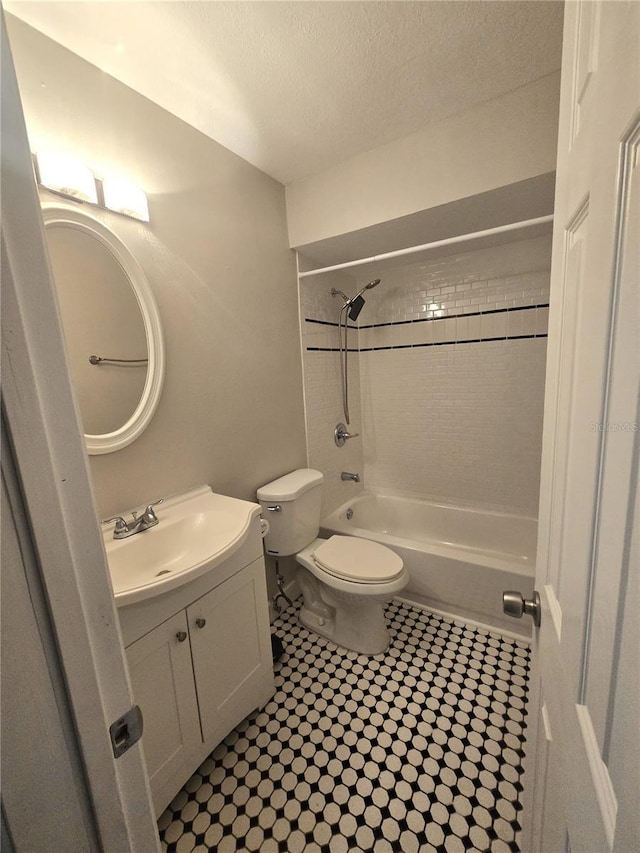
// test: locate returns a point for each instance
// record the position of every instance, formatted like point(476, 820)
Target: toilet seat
point(357, 560)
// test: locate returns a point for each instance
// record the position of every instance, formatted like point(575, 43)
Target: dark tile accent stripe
point(330, 349)
point(327, 323)
point(431, 319)
point(454, 316)
point(433, 344)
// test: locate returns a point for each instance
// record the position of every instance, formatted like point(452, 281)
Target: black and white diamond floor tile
point(416, 750)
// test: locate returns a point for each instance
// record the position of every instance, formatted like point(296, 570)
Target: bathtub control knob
point(341, 434)
point(513, 604)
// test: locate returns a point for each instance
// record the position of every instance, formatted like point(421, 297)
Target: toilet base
point(351, 621)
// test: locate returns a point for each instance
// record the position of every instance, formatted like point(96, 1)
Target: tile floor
point(418, 749)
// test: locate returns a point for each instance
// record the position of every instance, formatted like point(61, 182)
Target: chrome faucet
point(347, 476)
point(144, 521)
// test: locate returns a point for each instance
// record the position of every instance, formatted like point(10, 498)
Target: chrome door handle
point(513, 604)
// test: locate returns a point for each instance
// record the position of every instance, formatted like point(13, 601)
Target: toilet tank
point(297, 521)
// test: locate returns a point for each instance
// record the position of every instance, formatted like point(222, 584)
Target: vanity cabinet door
point(163, 687)
point(231, 649)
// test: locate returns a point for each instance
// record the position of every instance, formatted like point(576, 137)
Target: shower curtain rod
point(461, 238)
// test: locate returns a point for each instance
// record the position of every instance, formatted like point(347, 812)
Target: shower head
point(355, 307)
point(354, 303)
point(372, 284)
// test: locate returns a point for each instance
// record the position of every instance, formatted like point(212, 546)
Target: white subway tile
point(528, 322)
point(487, 326)
point(470, 414)
point(462, 328)
point(367, 338)
point(542, 321)
point(438, 330)
point(475, 331)
point(500, 325)
point(514, 323)
point(422, 333)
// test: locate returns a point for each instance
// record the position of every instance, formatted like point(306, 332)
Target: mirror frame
point(62, 214)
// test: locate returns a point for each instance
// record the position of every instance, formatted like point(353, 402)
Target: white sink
point(196, 532)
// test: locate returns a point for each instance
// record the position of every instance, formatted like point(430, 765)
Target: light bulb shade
point(66, 175)
point(122, 196)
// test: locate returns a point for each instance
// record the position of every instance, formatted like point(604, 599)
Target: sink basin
point(197, 531)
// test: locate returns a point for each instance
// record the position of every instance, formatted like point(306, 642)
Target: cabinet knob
point(181, 636)
point(201, 622)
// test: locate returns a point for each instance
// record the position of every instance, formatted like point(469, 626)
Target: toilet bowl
point(345, 581)
point(345, 584)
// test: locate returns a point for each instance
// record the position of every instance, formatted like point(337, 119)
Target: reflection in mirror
point(109, 316)
point(100, 315)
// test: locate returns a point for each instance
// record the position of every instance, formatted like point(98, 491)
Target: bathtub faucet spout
point(347, 476)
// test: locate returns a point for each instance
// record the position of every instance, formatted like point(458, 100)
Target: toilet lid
point(359, 560)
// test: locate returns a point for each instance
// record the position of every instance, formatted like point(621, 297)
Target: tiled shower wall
point(450, 390)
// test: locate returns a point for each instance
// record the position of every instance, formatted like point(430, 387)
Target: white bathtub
point(460, 560)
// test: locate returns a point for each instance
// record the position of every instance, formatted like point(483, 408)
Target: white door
point(584, 786)
point(69, 590)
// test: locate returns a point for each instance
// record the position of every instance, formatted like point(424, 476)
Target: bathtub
point(460, 559)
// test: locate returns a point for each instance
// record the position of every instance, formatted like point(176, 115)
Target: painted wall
point(216, 256)
point(451, 368)
point(504, 141)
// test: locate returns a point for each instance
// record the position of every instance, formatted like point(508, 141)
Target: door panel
point(231, 649)
point(40, 755)
point(590, 448)
point(618, 443)
point(162, 681)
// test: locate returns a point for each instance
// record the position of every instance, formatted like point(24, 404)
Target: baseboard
point(466, 617)
point(292, 590)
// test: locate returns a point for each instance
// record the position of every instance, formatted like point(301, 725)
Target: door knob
point(181, 636)
point(201, 622)
point(513, 604)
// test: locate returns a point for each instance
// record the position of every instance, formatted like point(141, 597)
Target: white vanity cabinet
point(200, 660)
point(164, 688)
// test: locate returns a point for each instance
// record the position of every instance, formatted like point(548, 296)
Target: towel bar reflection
point(97, 359)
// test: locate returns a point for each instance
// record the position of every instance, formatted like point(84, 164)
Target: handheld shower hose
point(353, 306)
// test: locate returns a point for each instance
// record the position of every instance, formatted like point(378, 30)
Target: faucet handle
point(149, 514)
point(121, 524)
point(341, 434)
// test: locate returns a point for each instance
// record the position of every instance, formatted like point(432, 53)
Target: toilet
point(345, 581)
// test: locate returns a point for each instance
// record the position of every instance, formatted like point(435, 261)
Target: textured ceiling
point(296, 87)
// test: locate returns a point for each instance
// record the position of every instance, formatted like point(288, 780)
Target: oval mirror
point(111, 325)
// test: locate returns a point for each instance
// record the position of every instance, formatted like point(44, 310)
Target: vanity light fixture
point(125, 197)
point(67, 176)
